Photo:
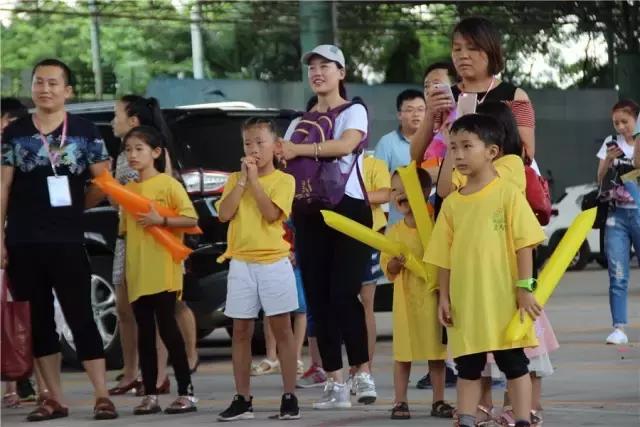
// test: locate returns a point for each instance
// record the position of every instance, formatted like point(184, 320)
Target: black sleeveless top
point(503, 92)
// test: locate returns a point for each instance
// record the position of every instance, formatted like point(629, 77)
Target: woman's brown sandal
point(49, 409)
point(104, 409)
point(42, 396)
point(442, 409)
point(400, 411)
point(119, 390)
point(164, 388)
point(148, 406)
point(182, 405)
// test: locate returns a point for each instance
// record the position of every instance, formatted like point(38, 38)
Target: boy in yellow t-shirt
point(417, 334)
point(257, 200)
point(482, 243)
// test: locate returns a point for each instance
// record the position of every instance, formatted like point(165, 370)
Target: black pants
point(332, 267)
point(513, 363)
point(34, 271)
point(161, 307)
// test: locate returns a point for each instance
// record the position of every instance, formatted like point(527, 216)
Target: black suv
point(208, 147)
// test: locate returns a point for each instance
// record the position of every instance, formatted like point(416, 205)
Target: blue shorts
point(302, 302)
point(373, 271)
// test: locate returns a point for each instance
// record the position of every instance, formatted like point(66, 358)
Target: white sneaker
point(351, 385)
point(335, 396)
point(617, 337)
point(365, 388)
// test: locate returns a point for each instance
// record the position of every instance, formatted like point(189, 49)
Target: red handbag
point(538, 195)
point(15, 340)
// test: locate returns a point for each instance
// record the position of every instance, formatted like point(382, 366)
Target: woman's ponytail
point(148, 112)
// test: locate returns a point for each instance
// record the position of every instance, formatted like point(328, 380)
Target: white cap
point(327, 51)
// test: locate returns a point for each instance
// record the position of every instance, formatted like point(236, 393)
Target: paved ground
point(594, 384)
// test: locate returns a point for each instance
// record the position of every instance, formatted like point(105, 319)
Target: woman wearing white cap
point(332, 264)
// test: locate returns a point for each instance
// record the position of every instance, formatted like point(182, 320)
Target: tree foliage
point(390, 41)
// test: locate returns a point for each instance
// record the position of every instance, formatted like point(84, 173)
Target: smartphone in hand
point(612, 144)
point(445, 88)
point(467, 103)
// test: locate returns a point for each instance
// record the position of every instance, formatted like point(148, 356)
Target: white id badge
point(59, 192)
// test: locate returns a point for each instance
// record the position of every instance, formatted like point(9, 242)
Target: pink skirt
point(548, 342)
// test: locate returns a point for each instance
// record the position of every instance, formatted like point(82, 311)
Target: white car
point(564, 212)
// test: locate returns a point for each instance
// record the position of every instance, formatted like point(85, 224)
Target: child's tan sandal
point(265, 367)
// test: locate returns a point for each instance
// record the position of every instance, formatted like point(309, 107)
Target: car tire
point(105, 315)
point(582, 258)
point(203, 333)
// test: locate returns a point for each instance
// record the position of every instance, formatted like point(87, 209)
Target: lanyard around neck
point(54, 158)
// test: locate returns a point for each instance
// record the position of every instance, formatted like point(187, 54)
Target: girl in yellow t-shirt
point(482, 243)
point(154, 279)
point(417, 334)
point(256, 201)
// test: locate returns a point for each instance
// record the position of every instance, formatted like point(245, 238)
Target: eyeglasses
point(420, 110)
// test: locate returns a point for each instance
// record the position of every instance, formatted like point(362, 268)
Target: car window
point(212, 142)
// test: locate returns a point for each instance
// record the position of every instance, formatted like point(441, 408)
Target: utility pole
point(95, 48)
point(196, 41)
point(317, 26)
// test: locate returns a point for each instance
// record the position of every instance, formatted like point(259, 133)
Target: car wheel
point(582, 257)
point(103, 302)
point(203, 333)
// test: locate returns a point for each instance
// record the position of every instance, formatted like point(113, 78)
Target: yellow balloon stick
point(374, 239)
point(415, 195)
point(554, 269)
point(424, 222)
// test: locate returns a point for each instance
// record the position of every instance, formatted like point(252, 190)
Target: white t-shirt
point(627, 149)
point(354, 117)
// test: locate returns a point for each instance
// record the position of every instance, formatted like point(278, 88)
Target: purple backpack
point(320, 184)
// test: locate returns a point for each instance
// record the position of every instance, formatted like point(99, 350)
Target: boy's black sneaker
point(25, 390)
point(289, 409)
point(450, 380)
point(239, 409)
point(523, 424)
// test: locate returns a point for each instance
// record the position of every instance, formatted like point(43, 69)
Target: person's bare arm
point(379, 197)
point(7, 179)
point(343, 146)
point(229, 205)
point(445, 185)
point(527, 134)
point(444, 303)
point(525, 299)
point(421, 139)
point(438, 105)
point(94, 195)
point(154, 218)
point(269, 210)
point(612, 154)
point(636, 153)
